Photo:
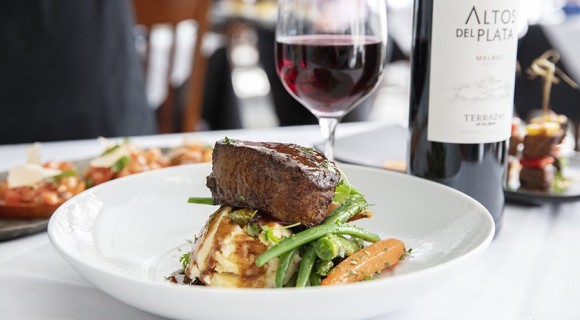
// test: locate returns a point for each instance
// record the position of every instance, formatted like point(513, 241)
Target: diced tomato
point(99, 175)
point(28, 194)
point(537, 162)
point(50, 197)
point(12, 197)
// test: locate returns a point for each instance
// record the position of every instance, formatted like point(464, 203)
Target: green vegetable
point(350, 206)
point(322, 267)
point(332, 246)
point(120, 164)
point(64, 174)
point(308, 150)
point(253, 229)
point(328, 166)
point(328, 247)
point(269, 235)
point(111, 149)
point(306, 266)
point(184, 259)
point(344, 189)
point(283, 266)
point(292, 282)
point(560, 183)
point(314, 279)
point(200, 200)
point(311, 234)
point(290, 226)
point(242, 216)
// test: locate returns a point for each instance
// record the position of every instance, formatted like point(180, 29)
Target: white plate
point(125, 236)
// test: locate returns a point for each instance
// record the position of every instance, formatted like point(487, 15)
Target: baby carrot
point(366, 262)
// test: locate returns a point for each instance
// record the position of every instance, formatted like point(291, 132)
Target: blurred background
point(81, 69)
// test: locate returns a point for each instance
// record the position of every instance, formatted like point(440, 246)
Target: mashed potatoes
point(224, 254)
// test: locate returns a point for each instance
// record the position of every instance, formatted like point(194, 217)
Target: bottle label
point(473, 60)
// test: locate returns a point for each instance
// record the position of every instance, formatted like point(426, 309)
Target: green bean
point(292, 281)
point(356, 243)
point(311, 234)
point(283, 266)
point(306, 266)
point(328, 247)
point(350, 246)
point(314, 279)
point(322, 267)
point(331, 246)
point(200, 200)
point(352, 205)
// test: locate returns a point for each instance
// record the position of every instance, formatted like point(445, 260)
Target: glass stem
point(328, 126)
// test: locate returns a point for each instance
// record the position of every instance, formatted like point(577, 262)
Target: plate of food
point(32, 191)
point(540, 168)
point(291, 235)
point(564, 185)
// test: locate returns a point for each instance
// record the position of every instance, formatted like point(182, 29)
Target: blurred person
point(69, 70)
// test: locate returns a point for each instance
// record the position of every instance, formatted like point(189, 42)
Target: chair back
point(149, 13)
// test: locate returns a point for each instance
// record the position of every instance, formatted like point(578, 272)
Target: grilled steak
point(287, 182)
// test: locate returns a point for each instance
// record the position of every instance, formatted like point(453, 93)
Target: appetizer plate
point(570, 193)
point(16, 228)
point(126, 236)
point(386, 147)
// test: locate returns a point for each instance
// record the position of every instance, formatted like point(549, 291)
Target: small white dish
point(126, 236)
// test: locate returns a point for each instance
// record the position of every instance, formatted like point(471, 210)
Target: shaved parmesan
point(109, 159)
point(33, 153)
point(29, 174)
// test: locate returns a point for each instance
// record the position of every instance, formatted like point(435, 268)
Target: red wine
point(329, 74)
point(462, 76)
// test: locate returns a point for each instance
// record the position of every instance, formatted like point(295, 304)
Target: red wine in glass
point(329, 74)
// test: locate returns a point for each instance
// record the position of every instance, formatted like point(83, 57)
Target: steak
point(286, 182)
point(537, 146)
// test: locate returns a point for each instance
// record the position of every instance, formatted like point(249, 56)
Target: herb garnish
point(269, 235)
point(242, 216)
point(120, 164)
point(64, 174)
point(327, 165)
point(404, 255)
point(253, 229)
point(184, 259)
point(344, 189)
point(111, 150)
point(308, 150)
point(89, 183)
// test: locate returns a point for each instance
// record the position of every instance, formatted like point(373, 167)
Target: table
point(530, 270)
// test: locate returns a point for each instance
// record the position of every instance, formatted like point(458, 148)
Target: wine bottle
point(462, 82)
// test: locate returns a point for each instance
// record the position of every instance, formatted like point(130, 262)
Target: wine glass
point(330, 55)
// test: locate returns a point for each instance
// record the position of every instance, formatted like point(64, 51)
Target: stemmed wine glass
point(330, 55)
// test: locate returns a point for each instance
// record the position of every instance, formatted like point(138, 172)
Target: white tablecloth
point(531, 270)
